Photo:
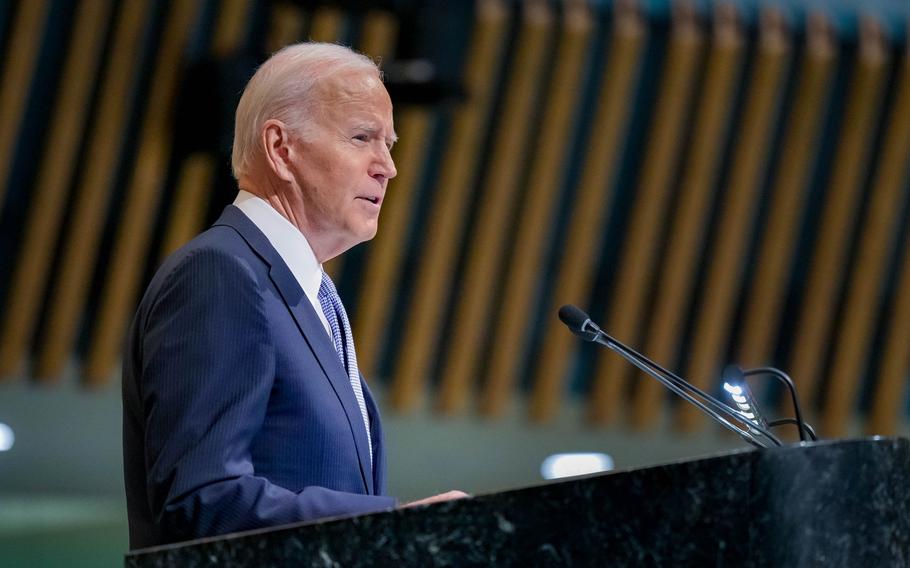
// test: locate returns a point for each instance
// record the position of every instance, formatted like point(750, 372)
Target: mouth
point(374, 199)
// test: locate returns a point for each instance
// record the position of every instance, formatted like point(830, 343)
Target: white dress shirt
point(291, 245)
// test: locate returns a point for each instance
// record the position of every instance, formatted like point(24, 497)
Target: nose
point(383, 165)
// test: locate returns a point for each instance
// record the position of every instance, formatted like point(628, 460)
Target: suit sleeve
point(208, 365)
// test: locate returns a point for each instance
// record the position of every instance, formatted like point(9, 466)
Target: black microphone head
point(577, 321)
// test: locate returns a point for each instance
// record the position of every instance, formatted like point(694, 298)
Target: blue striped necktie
point(334, 312)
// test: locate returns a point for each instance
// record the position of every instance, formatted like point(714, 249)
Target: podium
point(830, 503)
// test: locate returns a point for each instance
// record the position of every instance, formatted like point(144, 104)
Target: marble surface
point(833, 503)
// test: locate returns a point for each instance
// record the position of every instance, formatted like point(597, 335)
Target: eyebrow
point(373, 129)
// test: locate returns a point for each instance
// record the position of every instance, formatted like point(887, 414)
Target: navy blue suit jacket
point(237, 412)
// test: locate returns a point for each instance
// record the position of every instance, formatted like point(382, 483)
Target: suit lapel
point(311, 329)
point(315, 336)
point(376, 436)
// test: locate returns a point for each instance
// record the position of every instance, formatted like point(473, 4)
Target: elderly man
point(243, 406)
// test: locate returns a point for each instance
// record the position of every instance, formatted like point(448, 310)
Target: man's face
point(342, 164)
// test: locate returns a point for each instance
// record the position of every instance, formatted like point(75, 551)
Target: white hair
point(283, 88)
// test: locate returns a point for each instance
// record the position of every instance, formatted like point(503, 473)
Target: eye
point(362, 137)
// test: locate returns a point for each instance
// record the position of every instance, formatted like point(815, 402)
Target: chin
point(367, 232)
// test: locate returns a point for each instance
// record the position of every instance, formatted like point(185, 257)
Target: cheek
point(318, 187)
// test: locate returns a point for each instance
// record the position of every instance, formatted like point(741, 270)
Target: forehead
point(355, 91)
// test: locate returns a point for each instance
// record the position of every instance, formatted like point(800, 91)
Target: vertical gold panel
point(92, 192)
point(495, 209)
point(197, 172)
point(327, 24)
point(286, 26)
point(640, 246)
point(379, 33)
point(829, 259)
point(765, 303)
point(19, 64)
point(575, 276)
point(892, 379)
point(563, 98)
point(678, 274)
point(142, 198)
point(383, 269)
point(879, 231)
point(737, 217)
point(452, 195)
point(383, 264)
point(190, 200)
point(230, 27)
point(57, 167)
point(378, 37)
point(888, 401)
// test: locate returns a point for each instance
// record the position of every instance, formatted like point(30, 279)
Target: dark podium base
point(839, 503)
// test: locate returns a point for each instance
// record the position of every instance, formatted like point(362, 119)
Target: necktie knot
point(327, 288)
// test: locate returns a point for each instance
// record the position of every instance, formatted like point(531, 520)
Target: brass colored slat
point(286, 27)
point(230, 27)
point(652, 197)
point(383, 269)
point(142, 198)
point(678, 275)
point(197, 172)
point(327, 24)
point(436, 271)
point(829, 259)
point(190, 201)
point(495, 210)
point(191, 198)
point(888, 401)
point(888, 394)
point(765, 302)
point(880, 229)
point(750, 155)
point(377, 41)
point(81, 241)
point(380, 30)
point(54, 175)
point(575, 276)
point(18, 71)
point(524, 266)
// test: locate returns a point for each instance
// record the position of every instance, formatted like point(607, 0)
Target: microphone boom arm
point(680, 387)
point(581, 325)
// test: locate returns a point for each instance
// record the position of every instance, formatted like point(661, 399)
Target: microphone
point(578, 322)
point(756, 434)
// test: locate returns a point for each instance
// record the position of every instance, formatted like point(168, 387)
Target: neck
point(279, 199)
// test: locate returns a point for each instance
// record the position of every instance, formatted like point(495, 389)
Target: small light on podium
point(745, 403)
point(558, 466)
point(7, 438)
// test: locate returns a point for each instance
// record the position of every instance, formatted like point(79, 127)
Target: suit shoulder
point(219, 239)
point(218, 258)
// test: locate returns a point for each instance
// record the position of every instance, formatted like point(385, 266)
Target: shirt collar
point(287, 239)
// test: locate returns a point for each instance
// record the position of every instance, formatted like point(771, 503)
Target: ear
point(277, 148)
